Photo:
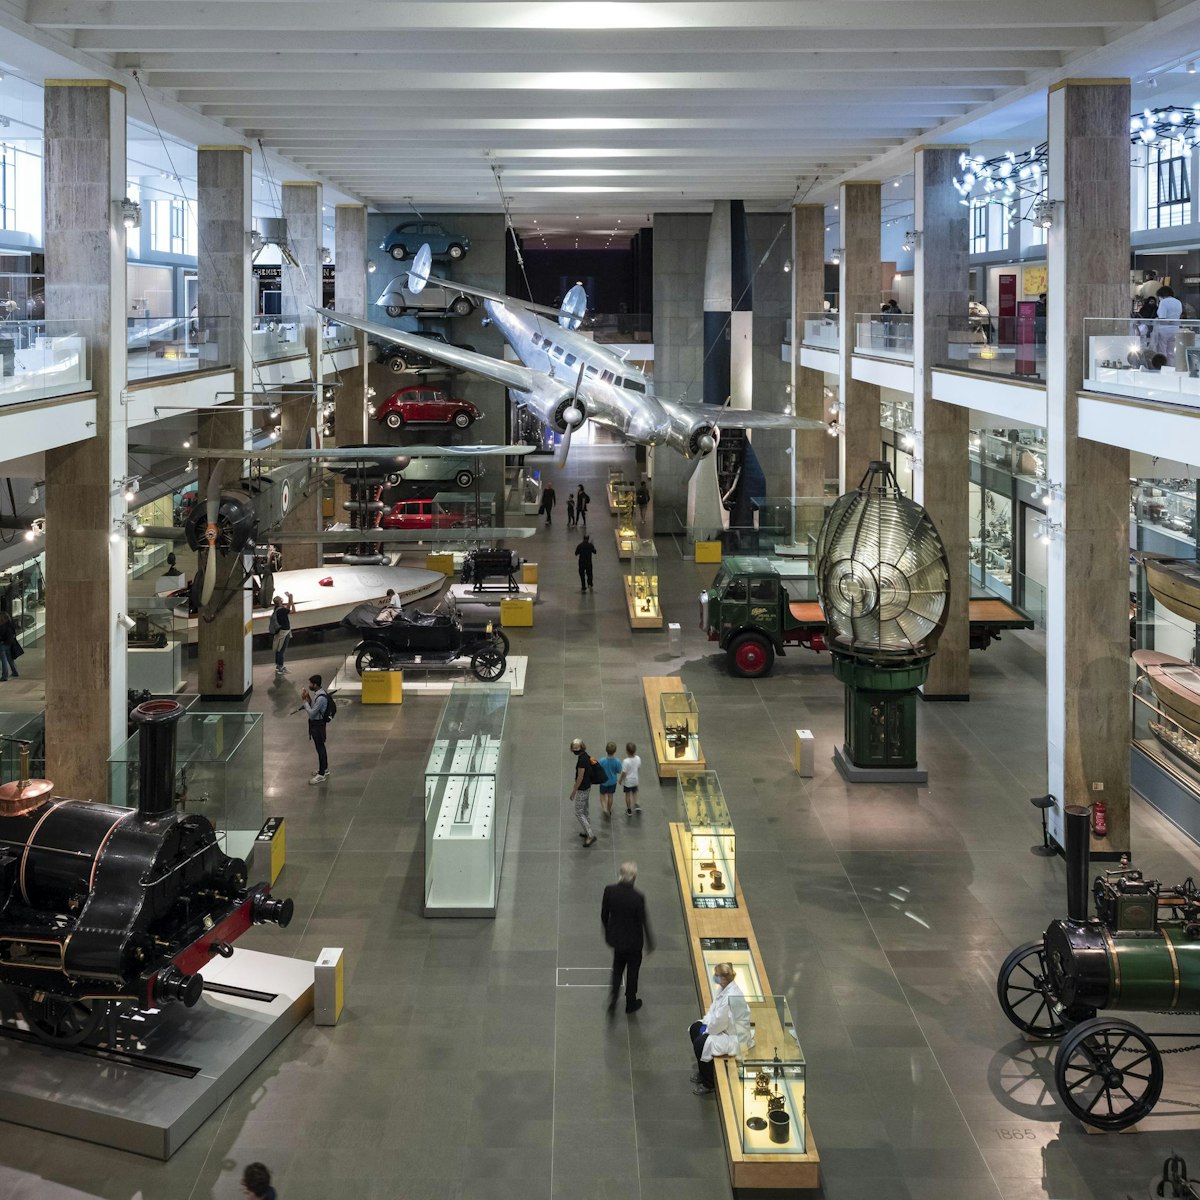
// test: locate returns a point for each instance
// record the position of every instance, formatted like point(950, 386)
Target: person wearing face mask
point(724, 1029)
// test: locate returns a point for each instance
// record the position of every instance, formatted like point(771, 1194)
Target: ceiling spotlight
point(36, 529)
point(126, 622)
point(35, 494)
point(371, 268)
point(1043, 213)
point(836, 256)
point(326, 255)
point(912, 239)
point(130, 213)
point(187, 443)
point(895, 183)
point(787, 266)
point(130, 485)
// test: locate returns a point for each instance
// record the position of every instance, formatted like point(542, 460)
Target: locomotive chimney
point(156, 720)
point(1076, 822)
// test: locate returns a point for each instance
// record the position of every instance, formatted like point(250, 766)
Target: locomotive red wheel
point(1023, 989)
point(1109, 1073)
point(751, 656)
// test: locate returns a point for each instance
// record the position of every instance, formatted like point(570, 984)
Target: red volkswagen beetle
point(419, 514)
point(420, 405)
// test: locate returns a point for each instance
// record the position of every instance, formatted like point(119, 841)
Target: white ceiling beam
point(609, 41)
point(563, 14)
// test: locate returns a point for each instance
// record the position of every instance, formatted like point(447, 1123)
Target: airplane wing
point(354, 454)
point(498, 297)
point(510, 374)
point(748, 418)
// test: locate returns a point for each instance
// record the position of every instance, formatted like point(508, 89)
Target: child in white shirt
point(630, 765)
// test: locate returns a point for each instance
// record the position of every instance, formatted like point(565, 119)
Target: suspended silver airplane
point(564, 378)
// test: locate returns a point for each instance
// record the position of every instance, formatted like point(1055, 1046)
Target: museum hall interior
point(599, 600)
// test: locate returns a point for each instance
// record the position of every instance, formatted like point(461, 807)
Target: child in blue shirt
point(612, 770)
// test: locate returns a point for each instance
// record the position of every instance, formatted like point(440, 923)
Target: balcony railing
point(884, 335)
point(821, 331)
point(157, 347)
point(1155, 360)
point(39, 359)
point(337, 337)
point(1005, 347)
point(277, 337)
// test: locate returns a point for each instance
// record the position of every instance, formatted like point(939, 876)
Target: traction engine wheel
point(61, 1022)
point(751, 656)
point(1108, 1073)
point(1023, 989)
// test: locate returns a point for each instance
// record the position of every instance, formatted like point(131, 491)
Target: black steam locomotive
point(1141, 952)
point(106, 909)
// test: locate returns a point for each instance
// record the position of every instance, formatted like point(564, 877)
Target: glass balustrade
point(337, 337)
point(821, 331)
point(164, 346)
point(277, 337)
point(1011, 347)
point(884, 335)
point(1147, 359)
point(40, 359)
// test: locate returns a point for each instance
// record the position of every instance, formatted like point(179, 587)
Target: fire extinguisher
point(1099, 818)
point(220, 672)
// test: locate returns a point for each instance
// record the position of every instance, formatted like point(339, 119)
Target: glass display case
point(625, 501)
point(616, 479)
point(736, 952)
point(991, 540)
point(1168, 508)
point(768, 1082)
point(155, 645)
point(17, 729)
point(641, 585)
point(218, 774)
point(709, 840)
point(23, 596)
point(467, 793)
point(680, 727)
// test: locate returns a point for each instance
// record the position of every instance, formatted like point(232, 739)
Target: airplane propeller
point(418, 273)
point(212, 513)
point(574, 307)
point(572, 418)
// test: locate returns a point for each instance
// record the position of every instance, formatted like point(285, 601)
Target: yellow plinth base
point(272, 836)
point(440, 562)
point(708, 552)
point(383, 687)
point(529, 572)
point(516, 612)
point(667, 765)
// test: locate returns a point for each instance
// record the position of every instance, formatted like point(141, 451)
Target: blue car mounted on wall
point(406, 239)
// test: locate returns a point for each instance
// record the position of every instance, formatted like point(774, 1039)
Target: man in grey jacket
point(315, 700)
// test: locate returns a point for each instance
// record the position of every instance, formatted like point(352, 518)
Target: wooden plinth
point(637, 619)
point(745, 1170)
point(624, 545)
point(667, 764)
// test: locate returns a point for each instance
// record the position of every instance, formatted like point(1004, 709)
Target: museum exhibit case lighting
point(680, 717)
point(708, 839)
point(43, 359)
point(1144, 359)
point(768, 1082)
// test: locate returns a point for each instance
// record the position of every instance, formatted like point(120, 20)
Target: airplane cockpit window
point(634, 385)
point(591, 372)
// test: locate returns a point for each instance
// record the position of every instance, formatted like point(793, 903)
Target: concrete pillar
point(941, 468)
point(862, 441)
point(808, 386)
point(350, 296)
point(223, 203)
point(1087, 605)
point(86, 560)
point(301, 411)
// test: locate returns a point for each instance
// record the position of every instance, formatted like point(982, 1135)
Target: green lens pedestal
point(881, 720)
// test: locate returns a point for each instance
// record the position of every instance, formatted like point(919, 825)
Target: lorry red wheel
point(751, 656)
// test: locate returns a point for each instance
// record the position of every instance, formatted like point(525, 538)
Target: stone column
point(862, 441)
point(301, 412)
point(941, 468)
point(350, 297)
point(223, 203)
point(1087, 606)
point(86, 545)
point(808, 386)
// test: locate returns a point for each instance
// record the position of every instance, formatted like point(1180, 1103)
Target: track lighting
point(126, 622)
point(130, 213)
point(371, 267)
point(912, 239)
point(35, 494)
point(836, 256)
point(326, 255)
point(1043, 213)
point(130, 486)
point(36, 529)
point(787, 266)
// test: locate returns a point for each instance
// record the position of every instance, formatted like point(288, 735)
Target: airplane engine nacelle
point(555, 405)
point(693, 437)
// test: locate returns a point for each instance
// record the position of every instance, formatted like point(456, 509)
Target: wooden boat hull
point(1176, 686)
point(1175, 584)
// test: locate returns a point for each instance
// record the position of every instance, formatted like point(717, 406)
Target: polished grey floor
point(461, 1070)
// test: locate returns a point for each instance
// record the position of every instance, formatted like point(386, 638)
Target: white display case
point(641, 585)
point(708, 840)
point(467, 793)
point(735, 951)
point(680, 733)
point(769, 1082)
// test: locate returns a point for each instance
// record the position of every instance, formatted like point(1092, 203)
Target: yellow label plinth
point(708, 552)
point(440, 562)
point(383, 687)
point(529, 572)
point(516, 612)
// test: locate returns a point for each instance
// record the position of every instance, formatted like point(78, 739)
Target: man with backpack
point(321, 709)
point(587, 772)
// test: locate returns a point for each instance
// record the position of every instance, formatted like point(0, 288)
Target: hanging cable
point(508, 221)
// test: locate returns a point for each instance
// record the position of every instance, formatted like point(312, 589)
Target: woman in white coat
point(724, 1029)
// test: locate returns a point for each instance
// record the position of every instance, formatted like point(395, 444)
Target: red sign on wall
point(1007, 326)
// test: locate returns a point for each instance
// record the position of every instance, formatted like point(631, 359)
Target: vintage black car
point(430, 640)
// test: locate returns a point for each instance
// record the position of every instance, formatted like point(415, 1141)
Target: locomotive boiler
point(106, 909)
point(1139, 953)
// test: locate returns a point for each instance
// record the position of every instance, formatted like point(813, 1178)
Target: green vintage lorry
point(755, 607)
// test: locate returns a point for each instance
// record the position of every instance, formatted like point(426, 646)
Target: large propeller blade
point(212, 513)
point(574, 308)
point(572, 419)
point(418, 273)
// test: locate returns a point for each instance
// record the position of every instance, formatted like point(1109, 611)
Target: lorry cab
point(744, 594)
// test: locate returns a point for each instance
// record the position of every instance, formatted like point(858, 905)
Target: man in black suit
point(626, 929)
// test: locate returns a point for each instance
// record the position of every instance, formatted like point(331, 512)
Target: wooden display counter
point(668, 766)
point(637, 618)
point(746, 1170)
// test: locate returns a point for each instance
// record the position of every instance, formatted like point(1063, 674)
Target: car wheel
point(397, 365)
point(488, 664)
point(393, 420)
point(374, 658)
point(502, 637)
point(464, 479)
point(395, 310)
point(461, 307)
point(462, 419)
point(751, 656)
point(455, 251)
point(398, 252)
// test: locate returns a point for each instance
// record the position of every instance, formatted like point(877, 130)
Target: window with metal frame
point(1168, 184)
